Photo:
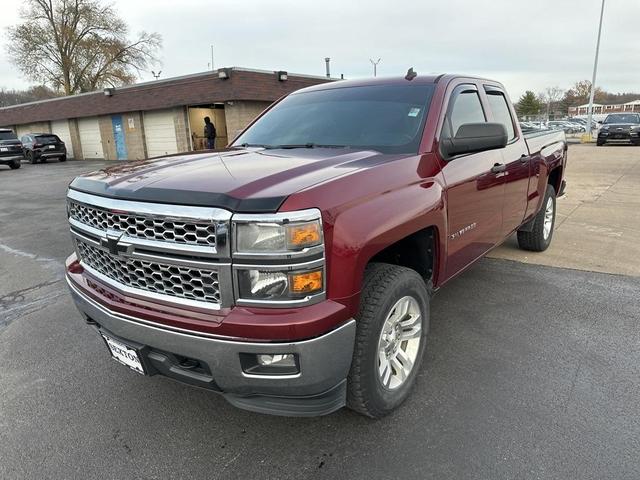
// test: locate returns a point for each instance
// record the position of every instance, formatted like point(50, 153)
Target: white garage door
point(41, 127)
point(89, 131)
point(61, 129)
point(160, 133)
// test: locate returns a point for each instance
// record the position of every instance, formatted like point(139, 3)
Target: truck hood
point(241, 180)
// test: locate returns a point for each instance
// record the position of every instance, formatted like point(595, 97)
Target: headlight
point(277, 233)
point(261, 285)
point(278, 258)
point(277, 238)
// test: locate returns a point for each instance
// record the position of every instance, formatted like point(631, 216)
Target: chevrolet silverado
point(292, 271)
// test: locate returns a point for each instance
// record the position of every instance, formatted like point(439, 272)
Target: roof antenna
point(410, 74)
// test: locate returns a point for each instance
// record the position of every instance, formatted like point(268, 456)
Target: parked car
point(40, 147)
point(10, 149)
point(564, 126)
point(620, 128)
point(292, 272)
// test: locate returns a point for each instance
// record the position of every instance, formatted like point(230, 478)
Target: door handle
point(498, 167)
point(524, 158)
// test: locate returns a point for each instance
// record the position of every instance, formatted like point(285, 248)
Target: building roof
point(197, 89)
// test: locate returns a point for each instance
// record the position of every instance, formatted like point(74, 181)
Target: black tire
point(31, 157)
point(599, 143)
point(63, 158)
point(383, 286)
point(14, 165)
point(535, 240)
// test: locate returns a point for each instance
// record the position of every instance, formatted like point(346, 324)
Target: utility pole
point(212, 67)
point(375, 66)
point(595, 70)
point(326, 61)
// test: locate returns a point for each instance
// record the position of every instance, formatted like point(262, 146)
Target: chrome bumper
point(319, 388)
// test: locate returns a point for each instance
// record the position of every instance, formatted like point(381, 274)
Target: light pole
point(375, 66)
point(595, 70)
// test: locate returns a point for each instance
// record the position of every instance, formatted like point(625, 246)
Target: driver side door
point(474, 186)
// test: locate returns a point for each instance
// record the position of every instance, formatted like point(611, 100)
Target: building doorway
point(196, 125)
point(118, 136)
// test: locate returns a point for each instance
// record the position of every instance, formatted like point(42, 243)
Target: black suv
point(39, 147)
point(620, 127)
point(10, 149)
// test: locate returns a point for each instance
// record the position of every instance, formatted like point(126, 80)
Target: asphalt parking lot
point(531, 370)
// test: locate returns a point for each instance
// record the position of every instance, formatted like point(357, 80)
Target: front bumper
point(619, 136)
point(319, 388)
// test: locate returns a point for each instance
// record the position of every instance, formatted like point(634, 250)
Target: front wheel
point(14, 165)
point(539, 238)
point(31, 157)
point(392, 325)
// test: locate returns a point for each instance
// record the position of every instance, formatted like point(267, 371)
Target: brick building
point(158, 117)
point(603, 110)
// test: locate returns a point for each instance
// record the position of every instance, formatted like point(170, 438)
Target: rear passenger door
point(474, 192)
point(516, 159)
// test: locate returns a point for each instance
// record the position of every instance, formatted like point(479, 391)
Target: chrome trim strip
point(281, 217)
point(292, 255)
point(168, 300)
point(281, 267)
point(159, 246)
point(152, 209)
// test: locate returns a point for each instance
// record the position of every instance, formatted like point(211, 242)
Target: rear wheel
point(31, 157)
point(63, 158)
point(392, 325)
point(14, 165)
point(599, 143)
point(539, 238)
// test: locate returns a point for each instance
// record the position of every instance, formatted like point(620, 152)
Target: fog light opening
point(270, 363)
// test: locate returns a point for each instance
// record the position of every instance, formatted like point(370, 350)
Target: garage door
point(42, 127)
point(90, 141)
point(61, 129)
point(160, 133)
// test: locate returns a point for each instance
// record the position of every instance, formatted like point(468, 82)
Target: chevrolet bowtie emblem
point(111, 243)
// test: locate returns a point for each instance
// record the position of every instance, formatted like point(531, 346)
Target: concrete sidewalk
point(598, 220)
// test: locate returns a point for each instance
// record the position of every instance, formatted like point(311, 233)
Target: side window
point(466, 109)
point(501, 113)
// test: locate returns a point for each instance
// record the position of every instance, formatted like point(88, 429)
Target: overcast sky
point(526, 44)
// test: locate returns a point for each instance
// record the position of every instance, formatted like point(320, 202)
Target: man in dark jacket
point(209, 133)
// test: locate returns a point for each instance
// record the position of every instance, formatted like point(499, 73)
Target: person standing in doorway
point(209, 133)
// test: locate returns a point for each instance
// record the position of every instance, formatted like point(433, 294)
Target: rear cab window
point(500, 110)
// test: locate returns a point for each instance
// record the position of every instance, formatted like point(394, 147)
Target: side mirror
point(476, 137)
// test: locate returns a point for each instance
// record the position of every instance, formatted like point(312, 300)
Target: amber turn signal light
point(306, 282)
point(304, 235)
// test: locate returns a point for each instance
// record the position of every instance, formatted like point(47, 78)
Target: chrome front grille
point(172, 280)
point(145, 226)
point(170, 254)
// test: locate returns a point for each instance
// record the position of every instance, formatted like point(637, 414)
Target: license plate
point(51, 147)
point(4, 149)
point(124, 354)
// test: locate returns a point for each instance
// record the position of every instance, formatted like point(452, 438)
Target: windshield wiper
point(245, 145)
point(307, 145)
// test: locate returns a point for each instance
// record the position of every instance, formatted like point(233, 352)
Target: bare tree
point(78, 45)
point(550, 97)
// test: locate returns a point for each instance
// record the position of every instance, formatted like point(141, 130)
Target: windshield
point(8, 136)
point(622, 118)
point(387, 118)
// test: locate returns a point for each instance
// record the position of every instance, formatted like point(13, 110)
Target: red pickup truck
point(292, 271)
